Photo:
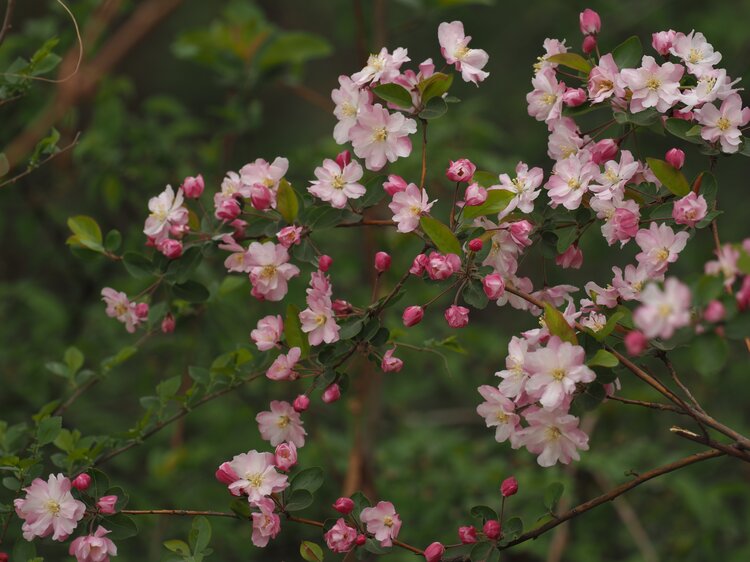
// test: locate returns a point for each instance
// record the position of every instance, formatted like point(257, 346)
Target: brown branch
point(652, 405)
point(424, 152)
point(612, 494)
point(30, 169)
point(7, 21)
point(668, 364)
point(367, 222)
point(184, 512)
point(732, 450)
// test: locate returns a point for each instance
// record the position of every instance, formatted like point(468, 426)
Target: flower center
point(723, 124)
point(256, 480)
point(695, 56)
point(320, 319)
point(379, 134)
point(502, 417)
point(388, 521)
point(573, 183)
point(662, 254)
point(665, 310)
point(121, 308)
point(268, 271)
point(558, 374)
point(606, 85)
point(552, 433)
point(415, 210)
point(349, 110)
point(653, 83)
point(283, 422)
point(52, 507)
point(338, 182)
point(519, 184)
point(461, 52)
point(611, 175)
point(268, 182)
point(375, 62)
point(549, 99)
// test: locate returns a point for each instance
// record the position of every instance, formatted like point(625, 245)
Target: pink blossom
point(662, 312)
point(434, 552)
point(467, 534)
point(499, 412)
point(266, 524)
point(553, 435)
point(391, 364)
point(107, 505)
point(193, 186)
point(49, 508)
point(289, 236)
point(226, 474)
point(573, 97)
point(344, 505)
point(341, 537)
point(419, 264)
point(475, 195)
point(589, 22)
point(715, 311)
point(572, 257)
point(635, 342)
point(697, 53)
point(551, 47)
point(462, 170)
point(394, 185)
point(661, 41)
point(622, 224)
point(712, 85)
point(282, 369)
point(564, 139)
point(172, 249)
point(457, 316)
point(725, 264)
point(331, 393)
point(382, 521)
point(412, 316)
point(454, 46)
point(408, 206)
point(281, 423)
point(570, 180)
point(257, 476)
point(493, 286)
point(630, 283)
point(381, 137)
point(93, 548)
point(555, 370)
point(285, 456)
point(690, 210)
point(411, 80)
point(492, 529)
point(261, 197)
point(382, 262)
point(166, 210)
point(525, 186)
point(264, 174)
point(743, 295)
point(270, 270)
point(605, 81)
point(120, 307)
point(604, 150)
point(653, 85)
point(318, 322)
point(545, 100)
point(660, 246)
point(227, 208)
point(439, 266)
point(349, 100)
point(337, 184)
point(519, 232)
point(616, 175)
point(168, 323)
point(268, 332)
point(382, 67)
point(722, 125)
point(509, 487)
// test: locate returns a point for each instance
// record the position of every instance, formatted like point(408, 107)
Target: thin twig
point(30, 169)
point(183, 512)
point(728, 449)
point(7, 21)
point(424, 152)
point(652, 405)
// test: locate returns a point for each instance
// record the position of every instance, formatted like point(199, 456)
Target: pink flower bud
point(635, 342)
point(331, 393)
point(743, 295)
point(82, 482)
point(226, 474)
point(289, 235)
point(193, 187)
point(573, 97)
point(519, 232)
point(344, 506)
point(4, 557)
point(467, 534)
point(301, 403)
point(141, 311)
point(589, 21)
point(494, 286)
point(395, 184)
point(360, 540)
point(172, 249)
point(675, 157)
point(690, 210)
point(391, 364)
point(572, 257)
point(260, 196)
point(509, 487)
point(412, 316)
point(457, 316)
point(604, 151)
point(285, 456)
point(434, 552)
point(475, 195)
point(461, 170)
point(178, 231)
point(715, 312)
point(441, 267)
point(475, 244)
point(382, 262)
point(589, 44)
point(168, 323)
point(106, 505)
point(624, 224)
point(492, 529)
point(341, 306)
point(343, 158)
point(418, 265)
point(661, 41)
point(683, 114)
point(228, 209)
point(238, 226)
point(325, 262)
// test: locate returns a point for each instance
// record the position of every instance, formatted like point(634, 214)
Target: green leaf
point(168, 388)
point(441, 235)
point(309, 479)
point(603, 358)
point(191, 291)
point(286, 201)
point(571, 60)
point(552, 495)
point(293, 333)
point(178, 546)
point(433, 109)
point(708, 288)
point(310, 551)
point(473, 294)
point(513, 528)
point(113, 241)
point(497, 200)
point(482, 551)
point(200, 534)
point(628, 53)
point(590, 398)
point(73, 359)
point(4, 164)
point(138, 265)
point(557, 325)
point(122, 527)
point(680, 128)
point(484, 512)
point(672, 178)
point(299, 500)
point(49, 429)
point(435, 86)
point(86, 233)
point(200, 375)
point(709, 353)
point(294, 48)
point(395, 94)
point(609, 326)
point(738, 327)
point(485, 179)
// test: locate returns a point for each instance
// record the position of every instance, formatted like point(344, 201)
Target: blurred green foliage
point(219, 84)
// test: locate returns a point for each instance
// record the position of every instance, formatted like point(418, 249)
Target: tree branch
point(7, 21)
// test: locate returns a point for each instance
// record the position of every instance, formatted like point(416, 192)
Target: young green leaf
point(603, 358)
point(286, 201)
point(395, 94)
point(557, 325)
point(497, 200)
point(571, 60)
point(310, 551)
point(441, 235)
point(672, 178)
point(628, 53)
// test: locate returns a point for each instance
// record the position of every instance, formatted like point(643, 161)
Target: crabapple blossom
point(226, 474)
point(344, 505)
point(301, 403)
point(324, 263)
point(572, 257)
point(715, 311)
point(261, 197)
point(410, 80)
point(419, 264)
point(662, 41)
point(168, 323)
point(349, 100)
point(454, 46)
point(462, 170)
point(603, 151)
point(268, 332)
point(622, 218)
point(660, 246)
point(545, 100)
point(499, 412)
point(318, 322)
point(434, 552)
point(635, 342)
point(589, 22)
point(492, 529)
point(281, 423)
point(697, 53)
point(725, 264)
point(257, 476)
point(408, 206)
point(266, 174)
point(653, 85)
point(282, 369)
point(382, 521)
point(553, 435)
point(285, 456)
point(289, 236)
point(81, 482)
point(340, 537)
point(675, 158)
point(493, 286)
point(515, 374)
point(616, 174)
point(663, 312)
point(172, 249)
point(589, 44)
point(467, 534)
point(382, 262)
point(573, 97)
point(509, 487)
point(193, 187)
point(570, 180)
point(525, 186)
point(107, 505)
point(604, 80)
point(439, 266)
point(690, 210)
point(551, 47)
point(564, 140)
point(457, 316)
point(381, 137)
point(269, 270)
point(391, 364)
point(630, 282)
point(336, 184)
point(722, 125)
point(475, 195)
point(394, 185)
point(119, 306)
point(93, 548)
point(49, 508)
point(382, 67)
point(167, 210)
point(331, 393)
point(713, 85)
point(266, 523)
